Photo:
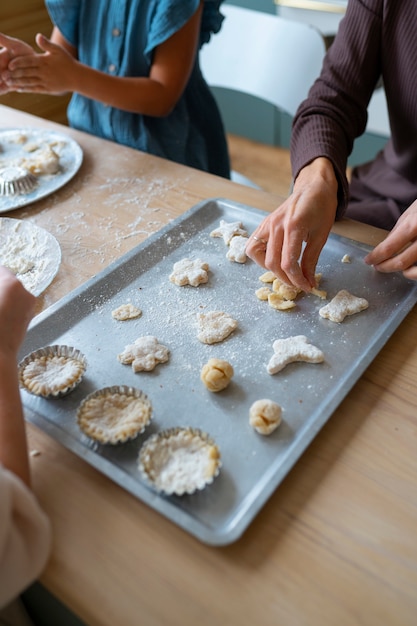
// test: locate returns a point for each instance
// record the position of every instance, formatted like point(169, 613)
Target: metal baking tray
point(253, 466)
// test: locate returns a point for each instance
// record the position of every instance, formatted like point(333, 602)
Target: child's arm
point(57, 71)
point(16, 308)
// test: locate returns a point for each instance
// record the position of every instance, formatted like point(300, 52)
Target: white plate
point(30, 252)
point(12, 149)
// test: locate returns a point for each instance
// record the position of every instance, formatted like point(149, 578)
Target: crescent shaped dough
point(293, 349)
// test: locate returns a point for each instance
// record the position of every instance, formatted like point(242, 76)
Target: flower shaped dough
point(144, 354)
point(343, 304)
point(189, 272)
point(293, 349)
point(227, 230)
point(237, 249)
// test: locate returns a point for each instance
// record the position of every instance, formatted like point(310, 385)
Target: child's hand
point(49, 72)
point(9, 49)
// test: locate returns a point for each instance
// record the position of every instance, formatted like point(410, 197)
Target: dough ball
point(265, 416)
point(216, 374)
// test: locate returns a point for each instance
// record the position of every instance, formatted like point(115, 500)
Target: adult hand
point(10, 48)
point(50, 72)
point(398, 252)
point(16, 311)
point(289, 241)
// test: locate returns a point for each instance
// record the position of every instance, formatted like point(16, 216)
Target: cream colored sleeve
point(25, 537)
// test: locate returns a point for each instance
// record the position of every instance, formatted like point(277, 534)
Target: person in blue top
point(133, 69)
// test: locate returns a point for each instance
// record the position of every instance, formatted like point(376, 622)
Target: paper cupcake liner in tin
point(52, 371)
point(114, 415)
point(16, 180)
point(179, 461)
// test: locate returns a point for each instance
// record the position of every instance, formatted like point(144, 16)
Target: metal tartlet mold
point(106, 428)
point(16, 180)
point(173, 441)
point(60, 353)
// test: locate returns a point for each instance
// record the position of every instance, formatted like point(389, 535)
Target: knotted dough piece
point(343, 304)
point(144, 354)
point(189, 272)
point(227, 230)
point(293, 349)
point(216, 374)
point(215, 326)
point(265, 416)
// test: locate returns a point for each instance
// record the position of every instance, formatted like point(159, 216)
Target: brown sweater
point(375, 38)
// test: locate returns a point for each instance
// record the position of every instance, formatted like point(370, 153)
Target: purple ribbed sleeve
point(375, 38)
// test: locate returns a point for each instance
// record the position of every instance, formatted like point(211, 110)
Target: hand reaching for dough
point(398, 252)
point(289, 241)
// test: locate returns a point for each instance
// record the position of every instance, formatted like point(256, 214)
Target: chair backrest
point(263, 55)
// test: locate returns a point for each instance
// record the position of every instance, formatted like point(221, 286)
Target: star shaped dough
point(293, 349)
point(227, 230)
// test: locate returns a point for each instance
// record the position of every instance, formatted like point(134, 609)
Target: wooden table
point(335, 545)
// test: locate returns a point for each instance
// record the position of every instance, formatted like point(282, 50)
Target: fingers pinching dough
point(265, 416)
point(216, 374)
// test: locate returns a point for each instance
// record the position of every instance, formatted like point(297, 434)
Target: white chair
point(263, 55)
